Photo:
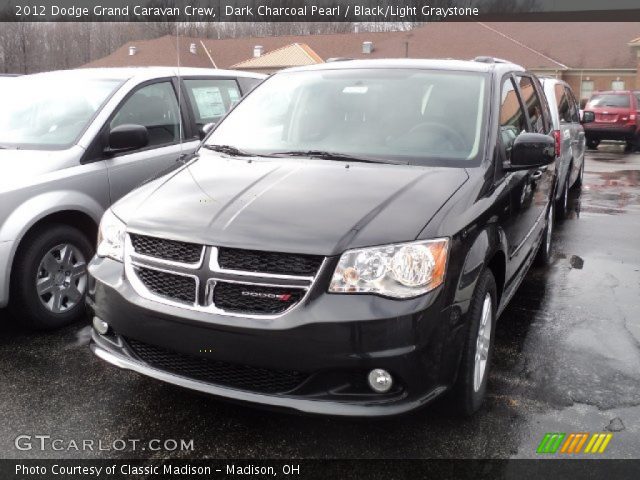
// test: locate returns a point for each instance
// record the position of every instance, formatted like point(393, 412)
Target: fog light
point(380, 380)
point(101, 326)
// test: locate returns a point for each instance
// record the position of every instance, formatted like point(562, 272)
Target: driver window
point(156, 108)
point(512, 118)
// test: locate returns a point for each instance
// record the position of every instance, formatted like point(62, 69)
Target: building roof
point(535, 45)
point(162, 51)
point(292, 55)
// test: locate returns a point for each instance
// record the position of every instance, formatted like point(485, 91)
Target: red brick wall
point(600, 81)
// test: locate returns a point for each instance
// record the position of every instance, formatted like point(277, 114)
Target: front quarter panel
point(82, 188)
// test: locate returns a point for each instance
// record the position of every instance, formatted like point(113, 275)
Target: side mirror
point(588, 117)
point(124, 138)
point(205, 129)
point(531, 150)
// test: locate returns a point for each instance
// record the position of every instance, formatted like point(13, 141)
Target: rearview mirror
point(588, 117)
point(124, 138)
point(531, 150)
point(205, 129)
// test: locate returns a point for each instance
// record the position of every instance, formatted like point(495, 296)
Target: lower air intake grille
point(253, 299)
point(238, 376)
point(269, 262)
point(173, 250)
point(169, 285)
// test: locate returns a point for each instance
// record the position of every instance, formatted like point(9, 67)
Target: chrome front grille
point(269, 262)
point(254, 299)
point(181, 288)
point(172, 250)
point(225, 281)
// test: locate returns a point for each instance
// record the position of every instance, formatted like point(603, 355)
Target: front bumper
point(333, 340)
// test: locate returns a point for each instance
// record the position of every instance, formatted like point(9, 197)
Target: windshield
point(610, 100)
point(403, 114)
point(49, 111)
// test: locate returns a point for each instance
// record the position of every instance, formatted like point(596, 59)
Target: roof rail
point(484, 59)
point(338, 59)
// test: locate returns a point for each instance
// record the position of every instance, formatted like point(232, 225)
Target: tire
point(592, 143)
point(543, 257)
point(562, 205)
point(56, 258)
point(470, 388)
point(578, 183)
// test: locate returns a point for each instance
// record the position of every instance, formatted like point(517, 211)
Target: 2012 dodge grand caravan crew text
point(343, 244)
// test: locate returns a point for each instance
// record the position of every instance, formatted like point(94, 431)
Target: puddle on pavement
point(576, 262)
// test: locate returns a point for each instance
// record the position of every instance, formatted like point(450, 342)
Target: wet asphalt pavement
point(567, 359)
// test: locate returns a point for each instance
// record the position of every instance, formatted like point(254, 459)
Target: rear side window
point(620, 100)
point(573, 105)
point(531, 100)
point(512, 117)
point(563, 104)
point(154, 106)
point(637, 94)
point(211, 98)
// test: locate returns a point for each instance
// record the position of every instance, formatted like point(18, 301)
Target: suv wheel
point(49, 279)
point(592, 143)
point(562, 205)
point(471, 385)
point(543, 257)
point(578, 182)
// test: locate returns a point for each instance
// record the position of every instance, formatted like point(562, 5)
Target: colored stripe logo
point(573, 443)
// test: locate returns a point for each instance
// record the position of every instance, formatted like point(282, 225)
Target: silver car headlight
point(111, 237)
point(401, 270)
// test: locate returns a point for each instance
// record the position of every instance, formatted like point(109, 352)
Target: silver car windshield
point(49, 111)
point(408, 114)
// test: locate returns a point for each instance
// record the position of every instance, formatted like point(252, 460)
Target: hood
point(25, 167)
point(298, 206)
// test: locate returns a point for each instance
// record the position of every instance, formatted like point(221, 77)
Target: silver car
point(72, 143)
point(566, 119)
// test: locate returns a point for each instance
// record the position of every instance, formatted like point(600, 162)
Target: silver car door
point(153, 105)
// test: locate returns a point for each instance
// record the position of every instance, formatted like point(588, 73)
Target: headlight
point(404, 270)
point(111, 237)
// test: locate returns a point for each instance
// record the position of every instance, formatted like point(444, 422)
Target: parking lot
point(567, 359)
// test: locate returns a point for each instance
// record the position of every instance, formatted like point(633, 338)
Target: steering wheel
point(455, 139)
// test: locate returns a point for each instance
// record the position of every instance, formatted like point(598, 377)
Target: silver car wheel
point(62, 278)
point(483, 342)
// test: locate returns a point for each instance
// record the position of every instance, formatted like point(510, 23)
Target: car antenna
point(180, 126)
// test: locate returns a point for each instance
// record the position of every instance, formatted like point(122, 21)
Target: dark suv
point(615, 118)
point(343, 243)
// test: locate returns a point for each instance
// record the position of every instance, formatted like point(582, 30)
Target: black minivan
point(343, 242)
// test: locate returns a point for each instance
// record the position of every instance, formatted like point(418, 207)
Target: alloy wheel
point(483, 342)
point(61, 278)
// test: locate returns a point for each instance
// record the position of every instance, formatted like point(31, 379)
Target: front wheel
point(49, 279)
point(471, 385)
point(543, 257)
point(580, 179)
point(562, 205)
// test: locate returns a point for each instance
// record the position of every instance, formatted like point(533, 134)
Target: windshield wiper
point(335, 156)
point(229, 150)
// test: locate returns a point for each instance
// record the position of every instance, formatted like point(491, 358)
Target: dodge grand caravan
point(343, 244)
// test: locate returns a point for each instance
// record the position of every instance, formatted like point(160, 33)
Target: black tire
point(543, 257)
point(578, 183)
point(592, 143)
point(562, 205)
point(25, 302)
point(467, 395)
